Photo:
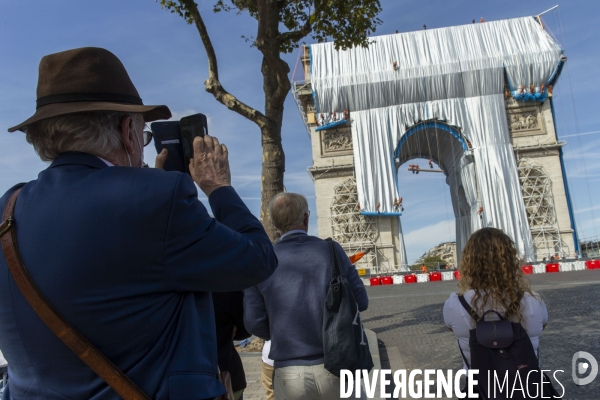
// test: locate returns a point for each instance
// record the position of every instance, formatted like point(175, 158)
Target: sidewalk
point(253, 367)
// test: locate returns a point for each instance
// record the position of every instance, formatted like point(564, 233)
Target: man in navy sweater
point(287, 308)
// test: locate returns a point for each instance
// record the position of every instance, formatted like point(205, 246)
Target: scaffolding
point(354, 232)
point(539, 206)
point(300, 89)
point(590, 247)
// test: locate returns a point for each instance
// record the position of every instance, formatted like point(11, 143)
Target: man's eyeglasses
point(147, 134)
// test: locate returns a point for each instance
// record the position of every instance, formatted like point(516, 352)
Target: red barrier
point(592, 264)
point(435, 276)
point(375, 281)
point(552, 268)
point(457, 275)
point(527, 269)
point(410, 278)
point(387, 280)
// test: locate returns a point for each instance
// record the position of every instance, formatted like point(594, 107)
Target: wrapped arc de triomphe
point(474, 99)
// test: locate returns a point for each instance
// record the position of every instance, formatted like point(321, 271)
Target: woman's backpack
point(508, 366)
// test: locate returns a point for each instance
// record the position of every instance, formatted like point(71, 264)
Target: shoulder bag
point(344, 341)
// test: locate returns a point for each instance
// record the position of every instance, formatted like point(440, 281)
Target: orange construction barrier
point(375, 281)
point(552, 268)
point(527, 269)
point(592, 264)
point(435, 276)
point(387, 280)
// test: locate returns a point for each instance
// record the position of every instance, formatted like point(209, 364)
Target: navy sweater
point(287, 308)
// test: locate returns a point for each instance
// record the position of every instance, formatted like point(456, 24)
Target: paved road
point(409, 325)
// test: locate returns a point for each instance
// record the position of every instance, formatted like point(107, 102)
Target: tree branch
point(297, 35)
point(212, 84)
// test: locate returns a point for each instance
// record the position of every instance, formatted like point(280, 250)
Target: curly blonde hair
point(490, 267)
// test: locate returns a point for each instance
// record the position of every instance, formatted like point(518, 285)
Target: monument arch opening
point(445, 151)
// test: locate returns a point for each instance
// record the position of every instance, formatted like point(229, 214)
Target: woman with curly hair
point(493, 280)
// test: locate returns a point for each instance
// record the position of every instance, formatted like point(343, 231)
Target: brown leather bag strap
point(61, 328)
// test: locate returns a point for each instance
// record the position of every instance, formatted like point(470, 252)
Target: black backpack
point(503, 349)
point(345, 343)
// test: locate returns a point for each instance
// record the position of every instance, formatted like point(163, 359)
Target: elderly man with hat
point(126, 256)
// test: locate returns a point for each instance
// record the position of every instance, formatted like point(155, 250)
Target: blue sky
point(167, 63)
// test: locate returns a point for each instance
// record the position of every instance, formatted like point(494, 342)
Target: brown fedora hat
point(87, 79)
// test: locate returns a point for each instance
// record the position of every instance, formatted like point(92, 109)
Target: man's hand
point(161, 158)
point(210, 166)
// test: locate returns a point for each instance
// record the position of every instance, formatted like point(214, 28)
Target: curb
point(373, 348)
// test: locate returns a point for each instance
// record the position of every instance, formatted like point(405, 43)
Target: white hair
point(287, 211)
point(94, 132)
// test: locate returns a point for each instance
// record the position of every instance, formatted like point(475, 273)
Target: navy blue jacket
point(128, 256)
point(288, 307)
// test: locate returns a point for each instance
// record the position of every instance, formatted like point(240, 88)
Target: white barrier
point(448, 276)
point(366, 281)
point(539, 268)
point(398, 279)
point(579, 266)
point(565, 266)
point(422, 278)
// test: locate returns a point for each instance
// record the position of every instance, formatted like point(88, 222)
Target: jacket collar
point(75, 157)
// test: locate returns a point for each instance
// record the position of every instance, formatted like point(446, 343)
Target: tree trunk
point(273, 167)
point(273, 158)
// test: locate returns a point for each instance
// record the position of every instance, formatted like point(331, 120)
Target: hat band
point(73, 97)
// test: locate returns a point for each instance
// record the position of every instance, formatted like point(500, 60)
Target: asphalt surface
point(409, 324)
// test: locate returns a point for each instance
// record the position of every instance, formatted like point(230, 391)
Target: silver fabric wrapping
point(460, 61)
point(375, 133)
point(455, 75)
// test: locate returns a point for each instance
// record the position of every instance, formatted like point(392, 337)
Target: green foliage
point(431, 261)
point(180, 7)
point(348, 22)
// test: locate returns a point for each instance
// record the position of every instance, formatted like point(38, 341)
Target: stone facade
point(337, 212)
point(534, 140)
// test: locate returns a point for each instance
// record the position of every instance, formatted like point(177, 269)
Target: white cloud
point(420, 240)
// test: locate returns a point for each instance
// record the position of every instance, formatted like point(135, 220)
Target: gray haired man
point(288, 307)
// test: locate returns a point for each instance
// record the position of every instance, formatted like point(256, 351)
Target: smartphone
point(191, 127)
point(167, 135)
point(178, 138)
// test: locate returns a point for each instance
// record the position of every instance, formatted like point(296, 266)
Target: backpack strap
point(467, 307)
point(463, 355)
